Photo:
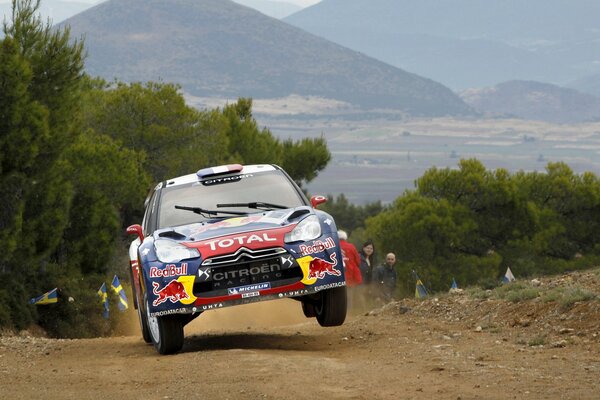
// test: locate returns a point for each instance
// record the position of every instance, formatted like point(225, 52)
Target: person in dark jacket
point(367, 261)
point(385, 276)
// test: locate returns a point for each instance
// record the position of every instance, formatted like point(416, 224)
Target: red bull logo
point(174, 291)
point(317, 247)
point(318, 268)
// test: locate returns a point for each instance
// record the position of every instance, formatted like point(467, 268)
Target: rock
point(559, 344)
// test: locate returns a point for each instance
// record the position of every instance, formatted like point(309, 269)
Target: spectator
point(367, 261)
point(351, 260)
point(385, 276)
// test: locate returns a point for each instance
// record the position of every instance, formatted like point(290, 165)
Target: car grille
point(246, 270)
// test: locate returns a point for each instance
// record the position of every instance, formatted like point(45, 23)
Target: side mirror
point(136, 230)
point(316, 200)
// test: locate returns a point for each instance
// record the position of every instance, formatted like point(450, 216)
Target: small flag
point(104, 299)
point(454, 285)
point(47, 298)
point(420, 290)
point(508, 276)
point(116, 286)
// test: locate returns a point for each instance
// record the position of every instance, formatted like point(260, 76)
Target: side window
point(149, 221)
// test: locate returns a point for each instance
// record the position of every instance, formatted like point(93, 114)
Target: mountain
point(588, 84)
point(534, 100)
point(217, 48)
point(275, 9)
point(466, 43)
point(56, 10)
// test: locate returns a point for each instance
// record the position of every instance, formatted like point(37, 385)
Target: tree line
point(470, 224)
point(78, 155)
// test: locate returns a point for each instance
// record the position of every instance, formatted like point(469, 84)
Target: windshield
point(268, 187)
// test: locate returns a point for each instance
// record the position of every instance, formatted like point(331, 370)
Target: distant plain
point(379, 158)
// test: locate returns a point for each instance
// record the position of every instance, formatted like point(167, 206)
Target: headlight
point(171, 252)
point(308, 229)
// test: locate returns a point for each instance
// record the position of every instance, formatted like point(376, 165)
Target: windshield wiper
point(206, 213)
point(256, 205)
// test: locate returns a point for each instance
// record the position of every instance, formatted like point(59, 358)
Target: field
point(378, 155)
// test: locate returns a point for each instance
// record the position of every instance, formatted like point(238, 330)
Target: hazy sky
point(303, 3)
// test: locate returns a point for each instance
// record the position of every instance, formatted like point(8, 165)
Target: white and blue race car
point(232, 235)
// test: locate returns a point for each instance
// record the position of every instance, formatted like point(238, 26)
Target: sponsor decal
point(174, 291)
point(329, 286)
point(204, 274)
point(252, 294)
point(211, 306)
point(294, 293)
point(168, 271)
point(318, 268)
point(168, 312)
point(216, 181)
point(317, 247)
point(245, 272)
point(239, 240)
point(249, 288)
point(287, 261)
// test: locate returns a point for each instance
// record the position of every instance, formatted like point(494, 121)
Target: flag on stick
point(116, 286)
point(508, 276)
point(104, 299)
point(420, 290)
point(46, 298)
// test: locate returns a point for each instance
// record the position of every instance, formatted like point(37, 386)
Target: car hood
point(202, 231)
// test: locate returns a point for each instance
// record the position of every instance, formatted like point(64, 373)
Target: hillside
point(217, 48)
point(534, 101)
point(466, 43)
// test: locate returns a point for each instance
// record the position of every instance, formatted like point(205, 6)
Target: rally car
point(232, 235)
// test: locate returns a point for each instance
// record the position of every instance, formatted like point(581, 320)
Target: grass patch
point(537, 341)
point(478, 293)
point(573, 295)
point(516, 292)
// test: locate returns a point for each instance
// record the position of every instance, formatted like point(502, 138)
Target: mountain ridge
point(220, 48)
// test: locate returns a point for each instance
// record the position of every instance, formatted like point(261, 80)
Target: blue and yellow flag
point(47, 298)
point(116, 286)
point(104, 299)
point(420, 290)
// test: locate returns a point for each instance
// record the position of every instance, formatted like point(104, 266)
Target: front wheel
point(166, 332)
point(142, 316)
point(331, 308)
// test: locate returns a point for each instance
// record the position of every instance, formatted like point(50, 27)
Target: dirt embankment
point(449, 347)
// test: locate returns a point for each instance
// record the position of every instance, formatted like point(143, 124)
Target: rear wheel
point(166, 332)
point(330, 310)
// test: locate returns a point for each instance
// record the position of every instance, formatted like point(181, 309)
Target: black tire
point(141, 310)
point(308, 309)
point(166, 332)
point(331, 308)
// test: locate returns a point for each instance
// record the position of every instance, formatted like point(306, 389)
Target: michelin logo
point(249, 288)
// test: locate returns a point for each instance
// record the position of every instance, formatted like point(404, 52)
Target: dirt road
point(451, 348)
